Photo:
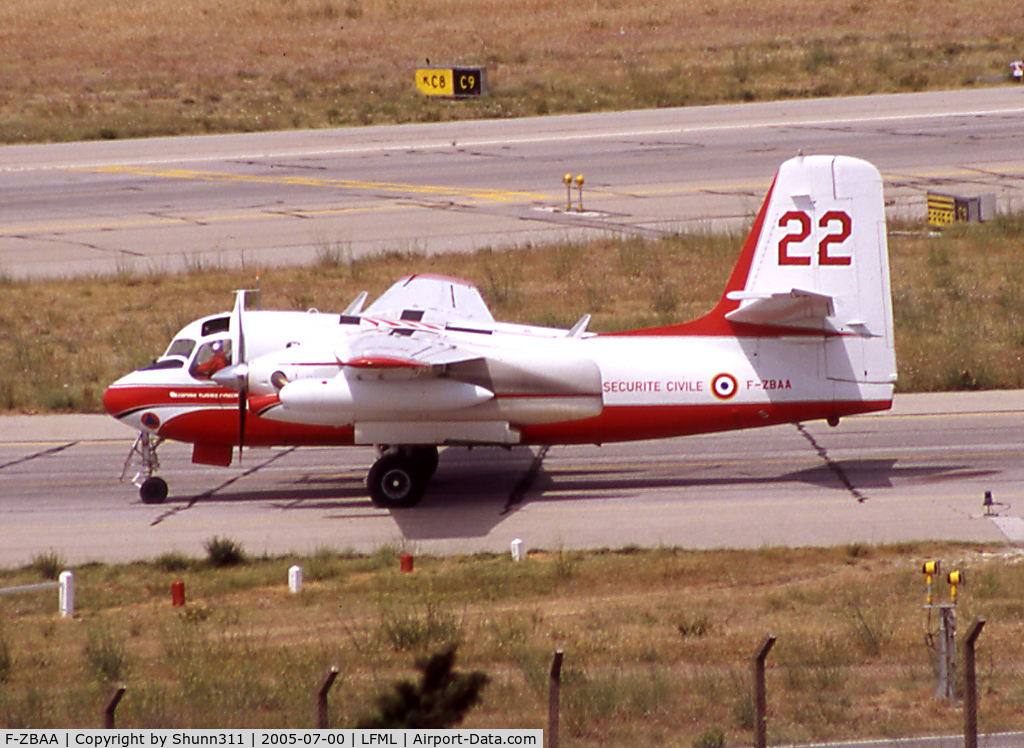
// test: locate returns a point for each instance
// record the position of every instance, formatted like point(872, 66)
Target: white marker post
point(517, 550)
point(66, 596)
point(295, 579)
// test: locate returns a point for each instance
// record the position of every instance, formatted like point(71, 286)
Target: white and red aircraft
point(802, 332)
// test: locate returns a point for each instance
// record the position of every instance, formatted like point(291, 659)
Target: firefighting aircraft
point(802, 332)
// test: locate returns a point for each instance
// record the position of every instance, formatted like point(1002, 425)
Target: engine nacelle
point(343, 399)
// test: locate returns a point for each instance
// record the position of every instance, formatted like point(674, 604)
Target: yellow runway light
point(955, 578)
point(930, 569)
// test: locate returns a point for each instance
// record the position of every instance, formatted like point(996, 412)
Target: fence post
point(971, 686)
point(947, 654)
point(554, 687)
point(111, 707)
point(760, 694)
point(321, 698)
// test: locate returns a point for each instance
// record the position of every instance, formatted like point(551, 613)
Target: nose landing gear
point(152, 488)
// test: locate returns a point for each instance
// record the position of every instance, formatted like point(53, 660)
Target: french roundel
point(724, 386)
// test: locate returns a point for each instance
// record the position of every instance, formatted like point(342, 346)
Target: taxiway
point(918, 472)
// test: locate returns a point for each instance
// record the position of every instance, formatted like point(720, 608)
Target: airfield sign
point(452, 82)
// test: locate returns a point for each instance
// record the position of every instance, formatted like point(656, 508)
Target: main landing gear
point(152, 488)
point(400, 475)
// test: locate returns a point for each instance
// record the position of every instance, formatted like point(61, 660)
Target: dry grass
point(75, 69)
point(958, 301)
point(959, 307)
point(657, 642)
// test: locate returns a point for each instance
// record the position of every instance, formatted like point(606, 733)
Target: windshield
point(181, 347)
point(211, 358)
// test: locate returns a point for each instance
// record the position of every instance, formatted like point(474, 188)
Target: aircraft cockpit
point(211, 358)
point(202, 348)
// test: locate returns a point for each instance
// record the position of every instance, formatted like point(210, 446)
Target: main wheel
point(153, 490)
point(426, 458)
point(396, 480)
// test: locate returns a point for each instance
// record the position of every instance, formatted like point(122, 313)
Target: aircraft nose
point(110, 401)
point(120, 397)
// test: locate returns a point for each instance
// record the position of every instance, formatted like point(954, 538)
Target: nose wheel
point(399, 477)
point(152, 488)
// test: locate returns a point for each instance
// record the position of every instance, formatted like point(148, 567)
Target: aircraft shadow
point(472, 493)
point(455, 509)
point(864, 474)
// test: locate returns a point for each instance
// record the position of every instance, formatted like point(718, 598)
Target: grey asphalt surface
point(280, 198)
point(918, 472)
point(277, 197)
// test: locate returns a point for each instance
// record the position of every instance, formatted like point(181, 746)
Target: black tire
point(153, 490)
point(426, 458)
point(396, 481)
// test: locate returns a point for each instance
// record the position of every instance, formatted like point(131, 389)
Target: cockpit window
point(182, 347)
point(218, 324)
point(211, 358)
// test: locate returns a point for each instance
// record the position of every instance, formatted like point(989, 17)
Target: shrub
point(49, 564)
point(223, 552)
point(441, 698)
point(408, 630)
point(173, 561)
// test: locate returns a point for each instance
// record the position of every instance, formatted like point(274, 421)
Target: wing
point(432, 299)
point(401, 348)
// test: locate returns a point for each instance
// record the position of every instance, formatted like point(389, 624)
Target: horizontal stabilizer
point(795, 308)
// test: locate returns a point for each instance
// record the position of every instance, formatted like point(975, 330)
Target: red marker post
point(178, 594)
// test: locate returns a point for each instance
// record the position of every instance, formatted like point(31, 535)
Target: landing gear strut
point(152, 488)
point(400, 475)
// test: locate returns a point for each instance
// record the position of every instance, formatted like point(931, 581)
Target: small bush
point(49, 564)
point(698, 626)
point(872, 622)
point(408, 630)
point(223, 552)
point(173, 561)
point(565, 563)
point(441, 698)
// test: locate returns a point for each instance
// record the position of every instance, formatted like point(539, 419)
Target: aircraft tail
point(816, 263)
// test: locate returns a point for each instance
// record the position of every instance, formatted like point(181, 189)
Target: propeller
point(242, 369)
point(236, 376)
